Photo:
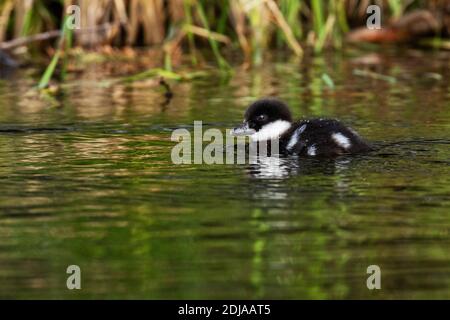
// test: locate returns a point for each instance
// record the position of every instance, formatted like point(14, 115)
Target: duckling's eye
point(261, 118)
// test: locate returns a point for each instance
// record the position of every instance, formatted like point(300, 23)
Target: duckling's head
point(265, 119)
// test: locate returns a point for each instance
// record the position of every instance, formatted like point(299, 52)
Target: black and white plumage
point(270, 118)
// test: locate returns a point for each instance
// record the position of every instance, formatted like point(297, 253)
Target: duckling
point(270, 118)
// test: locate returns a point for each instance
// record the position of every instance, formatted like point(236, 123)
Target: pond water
point(87, 179)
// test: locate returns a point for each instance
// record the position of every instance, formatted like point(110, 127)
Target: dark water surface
point(87, 179)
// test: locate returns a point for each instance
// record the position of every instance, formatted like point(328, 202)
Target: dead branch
point(23, 41)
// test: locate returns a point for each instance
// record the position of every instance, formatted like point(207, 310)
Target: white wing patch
point(312, 150)
point(271, 130)
point(341, 140)
point(294, 139)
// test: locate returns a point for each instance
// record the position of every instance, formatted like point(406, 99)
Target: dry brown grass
point(253, 25)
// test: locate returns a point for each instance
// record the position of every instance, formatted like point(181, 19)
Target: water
point(87, 179)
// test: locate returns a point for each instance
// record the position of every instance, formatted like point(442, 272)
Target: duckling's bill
point(242, 130)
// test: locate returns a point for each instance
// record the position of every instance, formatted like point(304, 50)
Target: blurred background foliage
point(252, 26)
point(193, 31)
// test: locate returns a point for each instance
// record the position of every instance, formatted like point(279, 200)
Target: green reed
point(65, 43)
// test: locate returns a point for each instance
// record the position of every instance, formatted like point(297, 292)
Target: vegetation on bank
point(180, 28)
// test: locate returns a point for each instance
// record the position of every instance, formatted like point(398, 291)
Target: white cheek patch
point(294, 139)
point(341, 140)
point(271, 130)
point(312, 150)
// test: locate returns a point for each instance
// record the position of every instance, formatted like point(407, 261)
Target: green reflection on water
point(102, 192)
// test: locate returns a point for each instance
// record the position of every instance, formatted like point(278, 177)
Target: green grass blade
point(48, 73)
point(328, 81)
point(223, 64)
point(46, 77)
